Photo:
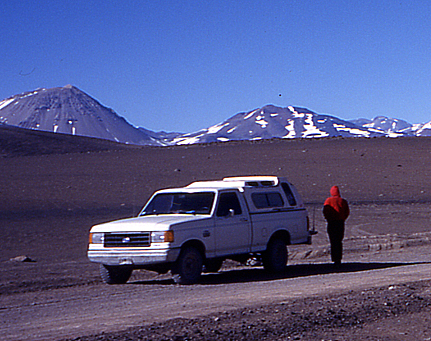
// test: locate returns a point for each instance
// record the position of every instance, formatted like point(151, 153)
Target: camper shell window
point(267, 200)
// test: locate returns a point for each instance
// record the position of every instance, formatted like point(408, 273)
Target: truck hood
point(147, 223)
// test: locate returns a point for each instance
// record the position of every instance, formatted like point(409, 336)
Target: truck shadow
point(256, 274)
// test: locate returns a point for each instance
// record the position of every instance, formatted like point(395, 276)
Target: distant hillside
point(15, 141)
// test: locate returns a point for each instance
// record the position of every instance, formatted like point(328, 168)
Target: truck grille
point(127, 239)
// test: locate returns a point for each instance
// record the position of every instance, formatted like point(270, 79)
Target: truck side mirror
point(231, 212)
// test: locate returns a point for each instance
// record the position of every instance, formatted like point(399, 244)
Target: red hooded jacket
point(335, 207)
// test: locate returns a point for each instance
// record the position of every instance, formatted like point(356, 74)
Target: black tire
point(213, 265)
point(115, 274)
point(188, 267)
point(275, 256)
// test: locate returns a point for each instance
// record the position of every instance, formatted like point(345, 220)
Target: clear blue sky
point(186, 65)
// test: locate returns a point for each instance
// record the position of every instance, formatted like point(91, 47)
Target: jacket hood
point(335, 191)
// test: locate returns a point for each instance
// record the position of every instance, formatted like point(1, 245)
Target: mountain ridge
point(69, 110)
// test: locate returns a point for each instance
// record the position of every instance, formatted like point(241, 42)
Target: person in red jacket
point(336, 210)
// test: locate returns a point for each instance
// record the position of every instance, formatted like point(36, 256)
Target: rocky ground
point(51, 197)
point(399, 312)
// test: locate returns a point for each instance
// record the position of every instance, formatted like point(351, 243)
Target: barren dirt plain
point(53, 188)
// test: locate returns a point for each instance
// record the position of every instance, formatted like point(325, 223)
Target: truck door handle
point(206, 233)
point(243, 219)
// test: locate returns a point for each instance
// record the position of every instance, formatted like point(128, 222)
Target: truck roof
point(239, 182)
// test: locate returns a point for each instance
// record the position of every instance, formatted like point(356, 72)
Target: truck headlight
point(97, 238)
point(162, 237)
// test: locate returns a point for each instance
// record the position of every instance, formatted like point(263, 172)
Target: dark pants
point(336, 235)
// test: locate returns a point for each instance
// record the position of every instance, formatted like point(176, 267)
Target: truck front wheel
point(115, 274)
point(275, 256)
point(188, 267)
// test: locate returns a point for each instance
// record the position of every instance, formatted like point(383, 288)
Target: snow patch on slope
point(310, 129)
point(6, 102)
point(341, 127)
point(215, 129)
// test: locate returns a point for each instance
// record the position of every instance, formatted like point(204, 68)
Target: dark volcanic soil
point(49, 199)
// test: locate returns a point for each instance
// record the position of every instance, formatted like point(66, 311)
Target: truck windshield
point(180, 203)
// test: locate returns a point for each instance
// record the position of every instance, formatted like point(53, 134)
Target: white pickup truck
point(195, 228)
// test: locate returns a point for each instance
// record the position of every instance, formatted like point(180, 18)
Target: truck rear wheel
point(188, 267)
point(275, 256)
point(115, 274)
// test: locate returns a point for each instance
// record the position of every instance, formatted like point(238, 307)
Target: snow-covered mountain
point(69, 110)
point(390, 126)
point(271, 121)
point(394, 127)
point(424, 130)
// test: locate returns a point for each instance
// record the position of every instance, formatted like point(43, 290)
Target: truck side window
point(289, 194)
point(227, 202)
point(267, 200)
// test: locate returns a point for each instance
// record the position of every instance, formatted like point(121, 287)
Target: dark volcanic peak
point(271, 121)
point(69, 110)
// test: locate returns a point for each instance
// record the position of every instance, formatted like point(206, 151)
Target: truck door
point(232, 225)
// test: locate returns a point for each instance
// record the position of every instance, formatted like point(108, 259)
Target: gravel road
point(74, 311)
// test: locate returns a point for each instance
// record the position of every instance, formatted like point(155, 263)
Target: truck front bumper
point(133, 257)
